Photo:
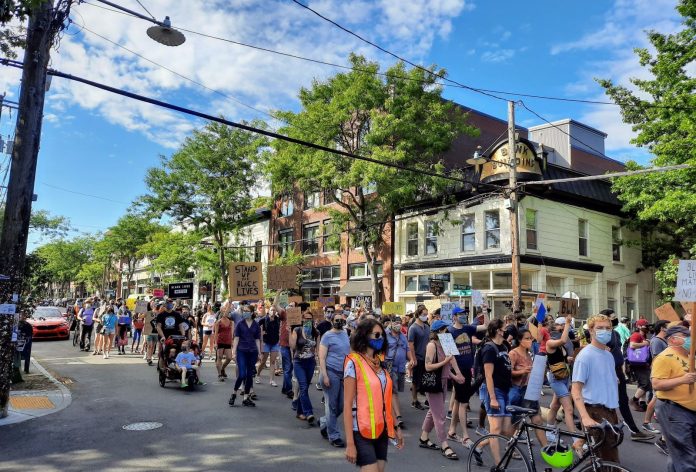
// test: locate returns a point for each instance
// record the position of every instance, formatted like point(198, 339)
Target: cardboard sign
point(569, 306)
point(141, 306)
point(315, 305)
point(432, 305)
point(327, 301)
point(317, 313)
point(446, 311)
point(282, 277)
point(536, 379)
point(394, 308)
point(477, 298)
point(282, 300)
point(182, 290)
point(666, 312)
point(296, 299)
point(448, 344)
point(689, 309)
point(686, 282)
point(246, 281)
point(294, 315)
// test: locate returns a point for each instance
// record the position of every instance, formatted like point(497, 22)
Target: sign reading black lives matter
point(246, 281)
point(180, 290)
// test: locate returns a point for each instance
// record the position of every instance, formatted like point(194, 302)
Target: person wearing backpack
point(86, 317)
point(638, 356)
point(658, 343)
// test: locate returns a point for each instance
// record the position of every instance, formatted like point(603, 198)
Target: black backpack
point(479, 374)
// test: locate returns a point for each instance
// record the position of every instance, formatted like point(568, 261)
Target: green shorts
point(151, 338)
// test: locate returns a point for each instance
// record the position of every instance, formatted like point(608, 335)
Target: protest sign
point(536, 379)
point(394, 308)
point(432, 305)
point(296, 299)
point(317, 313)
point(446, 311)
point(282, 277)
point(686, 282)
point(294, 315)
point(246, 281)
point(158, 292)
point(282, 299)
point(448, 344)
point(141, 306)
point(569, 306)
point(477, 298)
point(666, 312)
point(327, 301)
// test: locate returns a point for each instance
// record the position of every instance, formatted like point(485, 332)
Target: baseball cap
point(678, 329)
point(642, 323)
point(457, 309)
point(438, 325)
point(560, 321)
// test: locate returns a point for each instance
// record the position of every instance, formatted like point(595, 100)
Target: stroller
point(168, 374)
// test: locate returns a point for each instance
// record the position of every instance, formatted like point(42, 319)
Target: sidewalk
point(29, 404)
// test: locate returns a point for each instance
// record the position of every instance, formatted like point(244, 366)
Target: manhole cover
point(144, 426)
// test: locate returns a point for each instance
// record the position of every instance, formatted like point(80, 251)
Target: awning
point(356, 288)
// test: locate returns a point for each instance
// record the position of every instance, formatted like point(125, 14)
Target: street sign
point(461, 287)
point(460, 293)
point(180, 290)
point(437, 287)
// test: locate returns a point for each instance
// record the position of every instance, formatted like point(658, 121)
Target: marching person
point(270, 334)
point(208, 325)
point(371, 424)
point(333, 349)
point(223, 331)
point(86, 317)
point(676, 405)
point(246, 350)
point(418, 337)
point(303, 341)
point(395, 363)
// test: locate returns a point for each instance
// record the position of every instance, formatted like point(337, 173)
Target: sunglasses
point(376, 335)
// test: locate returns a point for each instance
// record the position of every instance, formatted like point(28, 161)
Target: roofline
point(479, 112)
point(567, 121)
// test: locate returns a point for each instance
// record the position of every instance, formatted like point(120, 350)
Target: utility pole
point(44, 22)
point(514, 227)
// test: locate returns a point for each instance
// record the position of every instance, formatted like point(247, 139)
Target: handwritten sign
point(294, 315)
point(477, 298)
point(315, 305)
point(446, 311)
point(296, 299)
point(158, 292)
point(432, 305)
point(246, 281)
point(141, 306)
point(282, 277)
point(686, 282)
point(448, 344)
point(666, 312)
point(283, 299)
point(327, 301)
point(569, 306)
point(394, 308)
point(317, 313)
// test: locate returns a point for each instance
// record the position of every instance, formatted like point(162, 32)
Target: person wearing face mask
point(246, 350)
point(333, 349)
point(594, 384)
point(395, 362)
point(170, 322)
point(418, 337)
point(676, 405)
point(270, 334)
point(303, 341)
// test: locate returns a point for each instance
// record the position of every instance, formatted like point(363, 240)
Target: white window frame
point(412, 249)
point(430, 236)
point(583, 236)
point(491, 230)
point(531, 229)
point(471, 233)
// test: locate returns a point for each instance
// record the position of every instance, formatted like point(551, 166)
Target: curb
point(62, 398)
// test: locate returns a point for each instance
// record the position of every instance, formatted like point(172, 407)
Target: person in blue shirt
point(186, 360)
point(246, 350)
point(109, 321)
point(333, 349)
point(124, 324)
point(395, 361)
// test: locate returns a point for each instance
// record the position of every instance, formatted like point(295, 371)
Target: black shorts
point(224, 346)
point(463, 391)
point(417, 374)
point(370, 450)
point(642, 373)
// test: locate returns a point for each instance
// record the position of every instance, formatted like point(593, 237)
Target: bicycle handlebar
point(616, 429)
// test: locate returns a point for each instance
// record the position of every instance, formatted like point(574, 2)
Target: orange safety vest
point(373, 406)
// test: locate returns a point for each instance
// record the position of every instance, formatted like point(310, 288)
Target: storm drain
point(143, 426)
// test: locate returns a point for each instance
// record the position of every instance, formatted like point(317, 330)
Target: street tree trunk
point(15, 227)
point(219, 239)
point(374, 279)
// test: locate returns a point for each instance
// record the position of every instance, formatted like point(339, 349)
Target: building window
point(369, 188)
point(356, 271)
point(616, 243)
point(531, 219)
point(582, 237)
point(468, 233)
point(430, 237)
point(258, 245)
point(411, 283)
point(311, 200)
point(331, 196)
point(287, 206)
point(492, 229)
point(412, 239)
point(310, 239)
point(328, 230)
point(285, 242)
point(420, 283)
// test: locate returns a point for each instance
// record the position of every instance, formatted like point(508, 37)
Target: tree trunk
point(219, 239)
point(374, 279)
point(15, 226)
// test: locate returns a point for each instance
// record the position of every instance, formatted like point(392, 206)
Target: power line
point(245, 127)
point(148, 11)
point(83, 194)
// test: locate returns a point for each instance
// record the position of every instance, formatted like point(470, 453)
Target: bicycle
point(77, 333)
point(513, 458)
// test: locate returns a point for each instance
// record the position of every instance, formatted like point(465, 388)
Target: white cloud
point(497, 55)
point(262, 80)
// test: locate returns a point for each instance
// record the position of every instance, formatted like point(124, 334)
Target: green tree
point(207, 185)
point(399, 119)
point(172, 255)
point(63, 259)
point(661, 111)
point(44, 223)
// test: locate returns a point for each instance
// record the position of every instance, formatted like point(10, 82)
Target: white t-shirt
point(209, 321)
point(349, 371)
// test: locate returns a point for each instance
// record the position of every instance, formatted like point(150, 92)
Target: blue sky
point(99, 144)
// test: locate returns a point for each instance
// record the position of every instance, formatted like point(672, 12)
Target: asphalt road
point(200, 431)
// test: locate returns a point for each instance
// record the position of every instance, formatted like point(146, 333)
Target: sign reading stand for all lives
point(246, 281)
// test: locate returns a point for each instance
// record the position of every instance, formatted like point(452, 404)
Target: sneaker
point(258, 380)
point(338, 443)
point(232, 399)
point(650, 428)
point(223, 373)
point(184, 385)
point(476, 454)
point(661, 445)
point(417, 405)
point(636, 405)
point(449, 414)
point(324, 433)
point(481, 431)
point(248, 402)
point(221, 378)
point(642, 437)
point(273, 383)
point(550, 436)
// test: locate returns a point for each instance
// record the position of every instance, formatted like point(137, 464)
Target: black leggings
point(246, 364)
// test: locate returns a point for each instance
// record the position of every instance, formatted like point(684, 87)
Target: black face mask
point(339, 324)
point(615, 322)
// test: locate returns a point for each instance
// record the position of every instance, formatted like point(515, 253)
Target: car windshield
point(47, 312)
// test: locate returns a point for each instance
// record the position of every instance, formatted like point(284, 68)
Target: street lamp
point(162, 32)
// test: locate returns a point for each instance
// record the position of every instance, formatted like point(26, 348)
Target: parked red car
point(49, 322)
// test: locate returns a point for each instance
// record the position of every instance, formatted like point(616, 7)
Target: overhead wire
point(439, 83)
point(148, 11)
point(83, 194)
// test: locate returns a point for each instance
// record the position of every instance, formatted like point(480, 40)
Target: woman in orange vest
point(368, 394)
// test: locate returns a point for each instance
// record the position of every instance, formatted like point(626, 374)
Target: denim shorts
point(108, 331)
point(560, 387)
point(502, 398)
point(271, 347)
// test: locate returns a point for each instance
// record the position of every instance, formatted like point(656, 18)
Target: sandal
point(427, 444)
point(467, 443)
point(451, 455)
point(453, 437)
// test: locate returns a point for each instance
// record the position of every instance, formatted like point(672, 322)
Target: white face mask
point(423, 318)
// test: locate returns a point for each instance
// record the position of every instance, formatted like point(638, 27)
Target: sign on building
point(437, 287)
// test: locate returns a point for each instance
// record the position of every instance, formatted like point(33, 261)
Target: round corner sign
point(527, 162)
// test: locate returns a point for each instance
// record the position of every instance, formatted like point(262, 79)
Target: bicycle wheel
point(606, 467)
point(518, 462)
point(76, 335)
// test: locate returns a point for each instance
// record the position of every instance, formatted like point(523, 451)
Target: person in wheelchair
point(186, 360)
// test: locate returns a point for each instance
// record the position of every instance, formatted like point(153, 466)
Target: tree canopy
point(662, 110)
point(399, 119)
